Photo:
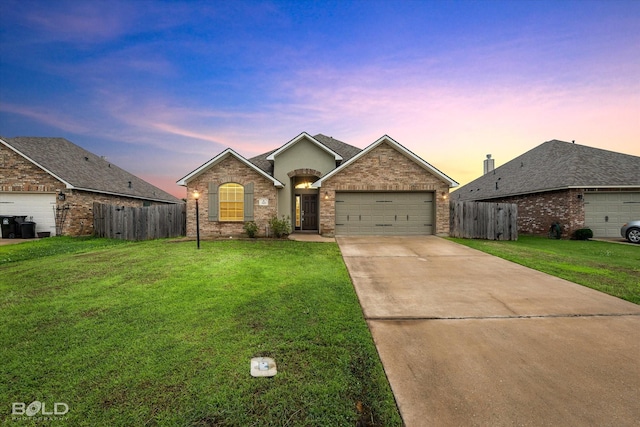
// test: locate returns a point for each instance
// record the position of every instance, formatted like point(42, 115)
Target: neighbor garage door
point(606, 212)
point(37, 205)
point(384, 213)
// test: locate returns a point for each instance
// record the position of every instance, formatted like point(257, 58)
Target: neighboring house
point(323, 186)
point(56, 182)
point(574, 185)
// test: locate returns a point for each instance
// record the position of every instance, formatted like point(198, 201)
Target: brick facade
point(79, 207)
point(17, 174)
point(536, 212)
point(228, 170)
point(383, 169)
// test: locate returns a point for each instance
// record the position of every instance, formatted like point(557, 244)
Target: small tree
point(280, 227)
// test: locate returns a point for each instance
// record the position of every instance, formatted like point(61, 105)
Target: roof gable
point(555, 165)
point(345, 150)
point(397, 146)
point(80, 169)
point(297, 139)
point(220, 157)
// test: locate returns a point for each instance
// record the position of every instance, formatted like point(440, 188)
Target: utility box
point(263, 367)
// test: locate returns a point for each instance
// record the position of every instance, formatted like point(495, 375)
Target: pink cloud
point(95, 21)
point(84, 21)
point(47, 116)
point(160, 121)
point(166, 183)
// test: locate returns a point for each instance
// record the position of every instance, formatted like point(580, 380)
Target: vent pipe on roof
point(489, 164)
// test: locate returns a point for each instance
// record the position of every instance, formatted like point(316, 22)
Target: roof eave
point(228, 152)
point(545, 190)
point(423, 163)
point(605, 186)
point(132, 196)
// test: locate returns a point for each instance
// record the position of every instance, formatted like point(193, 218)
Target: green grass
point(30, 249)
point(159, 333)
point(608, 267)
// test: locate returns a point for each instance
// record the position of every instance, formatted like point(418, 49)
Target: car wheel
point(633, 235)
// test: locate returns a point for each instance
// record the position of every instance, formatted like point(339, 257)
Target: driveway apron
point(469, 339)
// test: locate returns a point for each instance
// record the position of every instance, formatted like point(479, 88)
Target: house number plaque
point(263, 202)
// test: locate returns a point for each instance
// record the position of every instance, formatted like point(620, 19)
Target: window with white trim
point(231, 201)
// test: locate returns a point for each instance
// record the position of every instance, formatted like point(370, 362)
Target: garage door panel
point(606, 212)
point(38, 207)
point(384, 213)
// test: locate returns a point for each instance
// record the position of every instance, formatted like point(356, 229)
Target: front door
point(309, 212)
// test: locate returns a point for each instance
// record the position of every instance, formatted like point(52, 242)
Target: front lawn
point(612, 268)
point(159, 333)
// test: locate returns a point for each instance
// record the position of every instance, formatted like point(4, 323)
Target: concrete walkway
point(468, 339)
point(15, 241)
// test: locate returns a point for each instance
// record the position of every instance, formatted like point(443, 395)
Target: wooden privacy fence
point(139, 223)
point(482, 220)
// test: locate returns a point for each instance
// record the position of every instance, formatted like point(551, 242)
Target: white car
point(631, 231)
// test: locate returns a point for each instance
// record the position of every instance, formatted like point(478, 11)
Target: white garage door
point(37, 205)
point(606, 212)
point(384, 213)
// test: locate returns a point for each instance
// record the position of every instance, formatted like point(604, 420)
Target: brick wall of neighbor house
point(383, 169)
point(229, 170)
point(20, 175)
point(79, 209)
point(536, 212)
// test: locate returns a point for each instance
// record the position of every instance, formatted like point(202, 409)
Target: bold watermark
point(38, 411)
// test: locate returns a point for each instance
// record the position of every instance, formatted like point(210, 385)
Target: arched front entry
point(305, 203)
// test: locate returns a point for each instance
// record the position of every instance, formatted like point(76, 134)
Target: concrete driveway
point(468, 339)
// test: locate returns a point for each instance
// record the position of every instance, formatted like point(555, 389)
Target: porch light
point(326, 195)
point(196, 196)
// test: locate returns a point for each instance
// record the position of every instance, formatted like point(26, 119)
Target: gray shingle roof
point(84, 170)
point(345, 150)
point(554, 165)
point(262, 162)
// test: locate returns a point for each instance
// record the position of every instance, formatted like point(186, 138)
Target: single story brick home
point(55, 183)
point(572, 184)
point(322, 185)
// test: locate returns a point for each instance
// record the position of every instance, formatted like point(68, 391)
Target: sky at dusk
point(161, 87)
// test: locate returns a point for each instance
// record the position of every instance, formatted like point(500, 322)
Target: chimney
point(488, 164)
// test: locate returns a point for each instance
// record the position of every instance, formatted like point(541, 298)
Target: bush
point(583, 234)
point(251, 228)
point(280, 227)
